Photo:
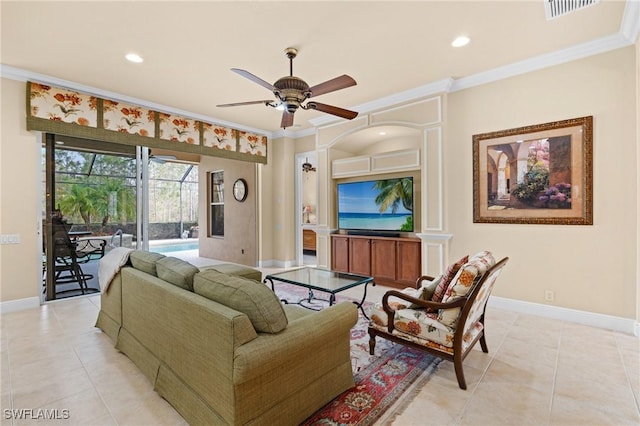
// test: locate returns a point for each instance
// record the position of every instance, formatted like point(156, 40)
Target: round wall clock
point(240, 190)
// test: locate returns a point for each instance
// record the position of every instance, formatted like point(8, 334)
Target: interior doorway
point(306, 208)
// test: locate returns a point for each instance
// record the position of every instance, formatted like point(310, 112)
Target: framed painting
point(540, 174)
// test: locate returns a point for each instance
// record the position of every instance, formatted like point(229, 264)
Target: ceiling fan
point(307, 166)
point(290, 92)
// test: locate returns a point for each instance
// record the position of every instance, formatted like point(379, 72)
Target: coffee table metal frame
point(322, 280)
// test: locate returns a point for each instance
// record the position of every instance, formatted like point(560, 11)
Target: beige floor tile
point(434, 405)
point(148, 409)
point(506, 403)
point(519, 351)
point(569, 411)
point(85, 408)
point(536, 376)
point(120, 382)
point(51, 388)
point(5, 400)
point(616, 396)
point(445, 376)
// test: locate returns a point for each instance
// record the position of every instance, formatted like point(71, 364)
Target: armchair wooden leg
point(372, 342)
point(457, 364)
point(483, 344)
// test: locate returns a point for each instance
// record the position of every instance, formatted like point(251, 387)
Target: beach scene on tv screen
point(380, 205)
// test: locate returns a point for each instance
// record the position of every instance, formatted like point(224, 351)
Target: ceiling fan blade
point(254, 78)
point(332, 85)
point(334, 110)
point(287, 119)
point(265, 102)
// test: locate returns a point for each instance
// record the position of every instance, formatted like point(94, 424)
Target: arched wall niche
point(411, 145)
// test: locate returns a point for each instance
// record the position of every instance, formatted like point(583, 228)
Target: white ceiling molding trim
point(584, 50)
point(13, 73)
point(286, 133)
point(630, 27)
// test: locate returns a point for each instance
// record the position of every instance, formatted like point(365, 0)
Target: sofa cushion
point(176, 271)
point(239, 271)
point(145, 261)
point(448, 275)
point(253, 299)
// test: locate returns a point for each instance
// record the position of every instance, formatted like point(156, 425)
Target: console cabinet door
point(383, 259)
point(409, 258)
point(340, 254)
point(360, 259)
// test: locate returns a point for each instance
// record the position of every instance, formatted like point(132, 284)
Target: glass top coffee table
point(323, 280)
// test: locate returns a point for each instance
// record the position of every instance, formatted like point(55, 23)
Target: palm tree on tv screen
point(391, 193)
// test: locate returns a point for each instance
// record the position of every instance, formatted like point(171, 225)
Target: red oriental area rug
point(379, 386)
point(385, 382)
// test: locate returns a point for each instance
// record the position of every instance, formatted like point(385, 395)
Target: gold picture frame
point(539, 174)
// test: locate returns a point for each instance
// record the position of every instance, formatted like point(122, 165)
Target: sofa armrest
point(294, 347)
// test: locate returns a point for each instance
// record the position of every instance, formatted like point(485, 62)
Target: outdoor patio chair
point(70, 254)
point(448, 329)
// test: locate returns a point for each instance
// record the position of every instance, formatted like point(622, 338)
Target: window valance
point(70, 113)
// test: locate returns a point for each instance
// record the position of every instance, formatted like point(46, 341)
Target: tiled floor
point(539, 371)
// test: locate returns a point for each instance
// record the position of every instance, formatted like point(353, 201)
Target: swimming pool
point(172, 247)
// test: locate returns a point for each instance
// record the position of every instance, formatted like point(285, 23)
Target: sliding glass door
point(91, 206)
point(99, 196)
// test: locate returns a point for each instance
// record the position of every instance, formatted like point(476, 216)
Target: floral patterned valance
point(67, 112)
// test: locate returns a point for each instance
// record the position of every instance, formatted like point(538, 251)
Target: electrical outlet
point(549, 296)
point(10, 239)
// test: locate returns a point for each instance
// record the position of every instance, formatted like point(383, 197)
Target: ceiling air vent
point(555, 8)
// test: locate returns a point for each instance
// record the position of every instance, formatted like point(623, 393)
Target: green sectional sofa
point(220, 347)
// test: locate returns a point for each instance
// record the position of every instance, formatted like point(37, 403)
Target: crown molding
point(18, 74)
point(583, 50)
point(284, 133)
point(630, 27)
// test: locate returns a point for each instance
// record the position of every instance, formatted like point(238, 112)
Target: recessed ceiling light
point(460, 41)
point(382, 133)
point(134, 57)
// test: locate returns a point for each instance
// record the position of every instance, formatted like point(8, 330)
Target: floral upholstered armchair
point(443, 316)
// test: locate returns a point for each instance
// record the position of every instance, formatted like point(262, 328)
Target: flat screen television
point(376, 205)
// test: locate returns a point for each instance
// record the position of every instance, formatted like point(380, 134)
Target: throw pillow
point(448, 275)
point(467, 276)
point(176, 271)
point(252, 298)
point(429, 288)
point(424, 292)
point(145, 261)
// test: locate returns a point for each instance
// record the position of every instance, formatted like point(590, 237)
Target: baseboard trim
point(609, 322)
point(19, 305)
point(277, 264)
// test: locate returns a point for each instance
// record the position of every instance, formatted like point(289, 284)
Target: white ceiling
point(189, 47)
